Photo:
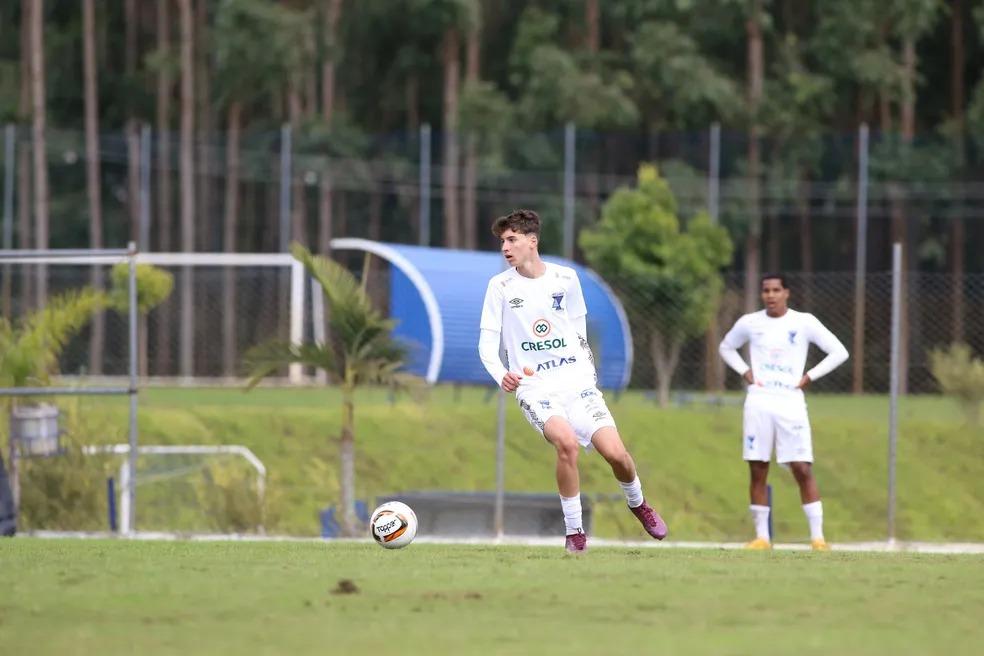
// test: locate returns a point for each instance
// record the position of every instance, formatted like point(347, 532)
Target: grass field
point(688, 457)
point(147, 598)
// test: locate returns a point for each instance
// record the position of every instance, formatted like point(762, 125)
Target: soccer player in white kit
point(775, 407)
point(536, 309)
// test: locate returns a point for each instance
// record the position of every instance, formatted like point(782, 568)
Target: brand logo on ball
point(541, 327)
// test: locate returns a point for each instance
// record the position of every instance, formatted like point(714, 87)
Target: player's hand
point(510, 382)
point(749, 377)
point(804, 382)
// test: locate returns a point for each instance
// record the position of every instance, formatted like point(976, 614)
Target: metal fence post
point(131, 489)
point(893, 404)
point(143, 240)
point(714, 174)
point(425, 185)
point(860, 260)
point(285, 177)
point(570, 141)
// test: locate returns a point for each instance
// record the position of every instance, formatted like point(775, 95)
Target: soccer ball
point(393, 525)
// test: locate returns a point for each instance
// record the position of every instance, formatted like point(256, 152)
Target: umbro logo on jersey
point(515, 303)
point(541, 327)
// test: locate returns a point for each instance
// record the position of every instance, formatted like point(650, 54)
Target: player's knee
point(619, 457)
point(566, 449)
point(802, 471)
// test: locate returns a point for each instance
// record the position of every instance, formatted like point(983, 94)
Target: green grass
point(689, 458)
point(121, 597)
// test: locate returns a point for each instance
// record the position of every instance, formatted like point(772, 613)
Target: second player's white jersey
point(778, 347)
point(541, 320)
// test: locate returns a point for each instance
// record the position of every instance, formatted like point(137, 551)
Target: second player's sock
point(760, 515)
point(633, 492)
point(814, 515)
point(572, 513)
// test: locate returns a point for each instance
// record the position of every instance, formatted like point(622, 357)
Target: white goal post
point(126, 472)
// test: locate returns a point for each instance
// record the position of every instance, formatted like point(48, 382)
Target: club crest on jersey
point(792, 336)
point(557, 298)
point(541, 327)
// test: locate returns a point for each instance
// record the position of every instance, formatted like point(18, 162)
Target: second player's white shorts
point(786, 426)
point(584, 410)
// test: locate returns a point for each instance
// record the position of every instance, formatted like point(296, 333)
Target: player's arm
point(728, 349)
point(489, 339)
point(829, 344)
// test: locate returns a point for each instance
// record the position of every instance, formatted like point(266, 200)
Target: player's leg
point(558, 431)
point(546, 415)
point(757, 451)
point(609, 444)
point(595, 426)
point(794, 445)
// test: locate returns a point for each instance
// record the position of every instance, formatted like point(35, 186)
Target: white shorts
point(788, 428)
point(584, 410)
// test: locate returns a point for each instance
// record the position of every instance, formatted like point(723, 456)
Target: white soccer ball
point(393, 525)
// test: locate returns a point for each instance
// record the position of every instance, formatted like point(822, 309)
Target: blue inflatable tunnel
point(436, 296)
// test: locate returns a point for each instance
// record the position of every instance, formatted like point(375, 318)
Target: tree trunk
point(665, 355)
point(92, 174)
point(450, 55)
point(229, 230)
point(187, 184)
point(957, 229)
point(753, 31)
point(806, 238)
point(24, 159)
point(900, 220)
point(298, 206)
point(592, 21)
point(39, 137)
point(130, 29)
point(346, 461)
point(203, 96)
point(331, 17)
point(470, 209)
point(164, 211)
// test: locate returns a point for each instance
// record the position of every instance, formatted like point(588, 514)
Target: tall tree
point(39, 143)
point(755, 80)
point(23, 154)
point(472, 74)
point(165, 218)
point(958, 233)
point(187, 173)
point(92, 173)
point(450, 59)
point(330, 16)
point(131, 29)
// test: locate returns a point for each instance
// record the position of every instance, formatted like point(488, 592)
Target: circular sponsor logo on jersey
point(541, 327)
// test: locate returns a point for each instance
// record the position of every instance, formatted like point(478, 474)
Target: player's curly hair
point(525, 222)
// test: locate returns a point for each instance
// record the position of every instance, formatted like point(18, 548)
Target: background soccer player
point(775, 406)
point(537, 310)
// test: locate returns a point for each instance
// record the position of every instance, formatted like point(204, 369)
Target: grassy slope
point(108, 597)
point(688, 458)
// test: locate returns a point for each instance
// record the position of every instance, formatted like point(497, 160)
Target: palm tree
point(361, 351)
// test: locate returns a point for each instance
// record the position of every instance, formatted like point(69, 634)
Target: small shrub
point(960, 375)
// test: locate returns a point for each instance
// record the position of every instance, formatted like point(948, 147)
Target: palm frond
point(266, 358)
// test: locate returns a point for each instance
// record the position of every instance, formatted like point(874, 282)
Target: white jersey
point(541, 321)
point(778, 347)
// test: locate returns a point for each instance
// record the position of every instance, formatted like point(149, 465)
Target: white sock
point(814, 515)
point(572, 513)
point(633, 492)
point(760, 515)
